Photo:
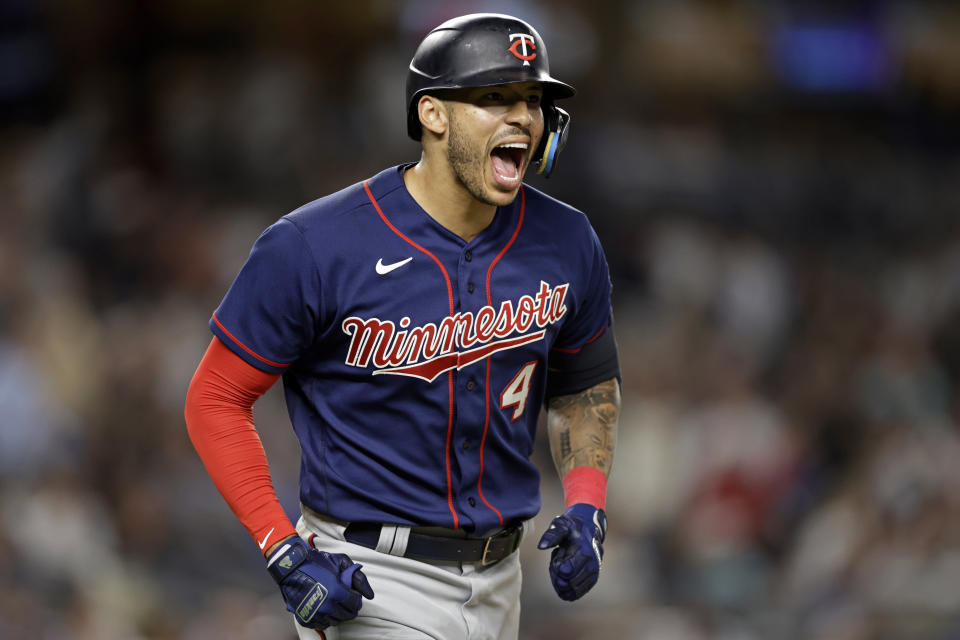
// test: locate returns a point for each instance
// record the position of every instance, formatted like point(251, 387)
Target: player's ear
point(433, 114)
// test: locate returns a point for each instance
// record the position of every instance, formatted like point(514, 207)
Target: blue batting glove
point(578, 536)
point(321, 589)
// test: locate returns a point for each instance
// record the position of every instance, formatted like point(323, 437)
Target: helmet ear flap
point(555, 135)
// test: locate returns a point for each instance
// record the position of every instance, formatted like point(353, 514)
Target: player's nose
point(520, 113)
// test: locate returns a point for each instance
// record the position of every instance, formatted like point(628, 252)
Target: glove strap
point(291, 554)
point(589, 513)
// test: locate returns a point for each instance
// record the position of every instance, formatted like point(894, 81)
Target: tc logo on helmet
point(522, 41)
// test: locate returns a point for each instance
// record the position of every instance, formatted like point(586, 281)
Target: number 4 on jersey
point(516, 392)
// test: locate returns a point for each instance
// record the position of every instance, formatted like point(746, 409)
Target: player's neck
point(447, 201)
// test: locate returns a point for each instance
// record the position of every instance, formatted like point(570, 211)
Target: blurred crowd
point(777, 186)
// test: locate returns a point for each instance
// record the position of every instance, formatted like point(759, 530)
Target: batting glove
point(321, 589)
point(578, 536)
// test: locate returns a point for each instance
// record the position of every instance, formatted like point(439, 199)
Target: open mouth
point(507, 161)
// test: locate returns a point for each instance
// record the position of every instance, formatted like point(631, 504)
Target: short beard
point(467, 169)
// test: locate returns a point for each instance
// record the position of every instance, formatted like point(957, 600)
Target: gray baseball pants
point(416, 600)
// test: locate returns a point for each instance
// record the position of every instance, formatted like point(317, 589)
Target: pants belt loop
point(393, 539)
point(400, 542)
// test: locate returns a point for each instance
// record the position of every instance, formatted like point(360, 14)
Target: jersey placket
point(474, 406)
point(469, 395)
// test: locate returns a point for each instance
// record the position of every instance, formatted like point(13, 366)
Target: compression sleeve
point(219, 417)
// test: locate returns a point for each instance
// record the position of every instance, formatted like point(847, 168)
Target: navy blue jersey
point(414, 362)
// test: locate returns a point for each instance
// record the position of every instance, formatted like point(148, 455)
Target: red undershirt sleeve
point(219, 417)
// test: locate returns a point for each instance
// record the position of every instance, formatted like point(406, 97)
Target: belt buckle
point(484, 562)
point(486, 549)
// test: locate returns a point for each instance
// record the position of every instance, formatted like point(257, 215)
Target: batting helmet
point(486, 49)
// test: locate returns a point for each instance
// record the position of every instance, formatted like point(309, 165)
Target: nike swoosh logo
point(383, 269)
point(263, 542)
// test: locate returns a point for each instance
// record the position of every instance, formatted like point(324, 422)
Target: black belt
point(424, 546)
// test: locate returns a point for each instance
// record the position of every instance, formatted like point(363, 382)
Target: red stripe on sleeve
point(577, 350)
point(219, 417)
point(253, 353)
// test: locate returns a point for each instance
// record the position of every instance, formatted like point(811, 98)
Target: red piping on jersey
point(577, 350)
point(486, 419)
point(246, 348)
point(446, 277)
point(483, 442)
point(523, 206)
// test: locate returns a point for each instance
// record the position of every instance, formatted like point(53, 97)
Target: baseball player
point(420, 319)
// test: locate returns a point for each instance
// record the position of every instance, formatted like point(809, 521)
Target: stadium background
point(777, 185)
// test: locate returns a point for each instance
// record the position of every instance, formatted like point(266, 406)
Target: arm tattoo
point(565, 449)
point(583, 427)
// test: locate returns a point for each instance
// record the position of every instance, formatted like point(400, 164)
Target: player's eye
point(533, 99)
point(493, 96)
